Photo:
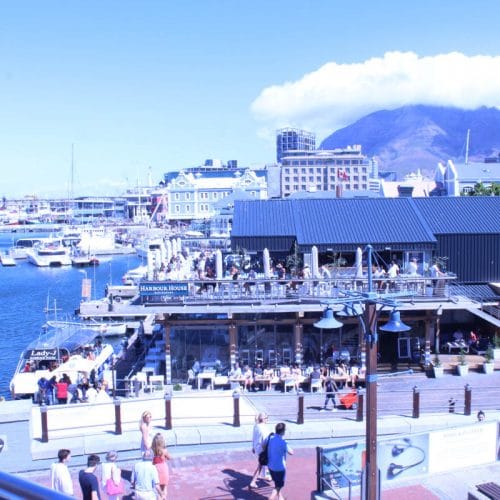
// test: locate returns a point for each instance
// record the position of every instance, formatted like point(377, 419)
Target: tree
point(481, 190)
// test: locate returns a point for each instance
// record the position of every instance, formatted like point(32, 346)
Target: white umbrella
point(168, 250)
point(179, 245)
point(218, 264)
point(174, 247)
point(314, 262)
point(267, 263)
point(358, 264)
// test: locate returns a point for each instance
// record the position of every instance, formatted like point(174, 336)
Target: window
point(214, 195)
point(187, 196)
point(177, 209)
point(188, 208)
point(177, 196)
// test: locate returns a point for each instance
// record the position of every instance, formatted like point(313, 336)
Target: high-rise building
point(292, 139)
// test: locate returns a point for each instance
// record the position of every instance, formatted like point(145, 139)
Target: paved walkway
point(205, 468)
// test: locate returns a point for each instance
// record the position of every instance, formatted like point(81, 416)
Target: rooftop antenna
point(467, 147)
point(72, 169)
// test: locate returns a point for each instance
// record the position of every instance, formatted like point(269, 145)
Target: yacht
point(50, 252)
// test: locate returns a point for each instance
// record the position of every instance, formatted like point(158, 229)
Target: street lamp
point(353, 302)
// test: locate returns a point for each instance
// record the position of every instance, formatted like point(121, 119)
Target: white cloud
point(336, 95)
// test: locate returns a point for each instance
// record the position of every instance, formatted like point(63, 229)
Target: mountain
point(419, 136)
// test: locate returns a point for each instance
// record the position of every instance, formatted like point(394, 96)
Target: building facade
point(292, 139)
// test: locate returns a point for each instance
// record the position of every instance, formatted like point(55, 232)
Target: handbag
point(263, 456)
point(114, 489)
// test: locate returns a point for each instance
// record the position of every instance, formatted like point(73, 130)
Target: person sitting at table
point(267, 377)
point(342, 376)
point(235, 373)
point(247, 378)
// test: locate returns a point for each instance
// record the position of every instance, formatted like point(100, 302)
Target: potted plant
point(489, 364)
point(437, 367)
point(462, 367)
point(496, 350)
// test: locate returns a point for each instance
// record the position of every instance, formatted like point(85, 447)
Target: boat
point(147, 245)
point(50, 252)
point(104, 328)
point(7, 260)
point(20, 248)
point(80, 260)
point(59, 350)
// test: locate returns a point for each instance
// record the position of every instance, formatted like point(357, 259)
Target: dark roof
point(339, 224)
point(479, 292)
point(461, 215)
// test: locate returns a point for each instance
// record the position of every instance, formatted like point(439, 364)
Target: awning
point(487, 317)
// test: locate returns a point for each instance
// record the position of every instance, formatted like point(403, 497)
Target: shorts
point(278, 477)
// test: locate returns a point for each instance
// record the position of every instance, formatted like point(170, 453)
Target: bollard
point(359, 409)
point(45, 426)
point(168, 411)
point(300, 413)
point(118, 416)
point(451, 405)
point(416, 402)
point(236, 406)
point(468, 400)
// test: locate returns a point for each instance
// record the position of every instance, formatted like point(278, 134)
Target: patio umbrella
point(358, 264)
point(218, 264)
point(314, 262)
point(267, 263)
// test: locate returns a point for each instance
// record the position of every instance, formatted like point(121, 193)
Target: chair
point(317, 385)
point(140, 381)
point(191, 377)
point(156, 383)
point(290, 384)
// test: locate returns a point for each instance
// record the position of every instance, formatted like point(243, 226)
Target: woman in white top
point(260, 434)
point(110, 471)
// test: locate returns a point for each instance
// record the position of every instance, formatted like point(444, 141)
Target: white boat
point(50, 252)
point(147, 245)
point(57, 351)
point(20, 248)
point(104, 328)
point(133, 276)
point(7, 260)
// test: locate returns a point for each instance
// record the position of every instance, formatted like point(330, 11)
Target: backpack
point(263, 456)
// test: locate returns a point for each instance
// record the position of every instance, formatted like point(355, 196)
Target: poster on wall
point(451, 448)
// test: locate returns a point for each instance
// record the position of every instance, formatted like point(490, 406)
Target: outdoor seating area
point(285, 378)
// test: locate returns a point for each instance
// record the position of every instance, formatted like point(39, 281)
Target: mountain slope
point(419, 136)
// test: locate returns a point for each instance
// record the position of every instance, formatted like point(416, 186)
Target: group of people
point(149, 477)
point(62, 391)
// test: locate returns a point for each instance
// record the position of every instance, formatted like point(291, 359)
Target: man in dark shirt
point(88, 480)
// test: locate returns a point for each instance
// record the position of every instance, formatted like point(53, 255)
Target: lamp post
point(352, 301)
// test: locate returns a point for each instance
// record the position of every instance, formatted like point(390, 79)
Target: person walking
point(260, 434)
point(111, 477)
point(60, 477)
point(145, 479)
point(88, 480)
point(277, 450)
point(161, 456)
point(145, 428)
point(330, 390)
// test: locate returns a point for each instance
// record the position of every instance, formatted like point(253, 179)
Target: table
point(210, 376)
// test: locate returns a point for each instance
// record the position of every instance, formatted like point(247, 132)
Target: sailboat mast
point(467, 147)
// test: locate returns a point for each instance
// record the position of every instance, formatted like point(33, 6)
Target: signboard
point(163, 289)
point(42, 354)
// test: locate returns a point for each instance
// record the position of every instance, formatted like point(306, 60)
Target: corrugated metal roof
point(375, 221)
point(461, 215)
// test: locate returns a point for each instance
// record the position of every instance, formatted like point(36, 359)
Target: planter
point(429, 290)
point(463, 370)
point(496, 353)
point(488, 367)
point(438, 371)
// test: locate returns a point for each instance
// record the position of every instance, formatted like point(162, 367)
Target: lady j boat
point(49, 253)
point(67, 349)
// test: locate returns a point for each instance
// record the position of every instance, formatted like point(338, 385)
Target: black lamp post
point(368, 322)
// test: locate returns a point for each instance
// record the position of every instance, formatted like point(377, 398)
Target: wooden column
point(297, 341)
point(168, 357)
point(233, 344)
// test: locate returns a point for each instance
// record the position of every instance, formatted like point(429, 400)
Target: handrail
point(13, 487)
point(331, 486)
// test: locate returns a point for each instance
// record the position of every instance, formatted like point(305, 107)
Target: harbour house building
point(264, 316)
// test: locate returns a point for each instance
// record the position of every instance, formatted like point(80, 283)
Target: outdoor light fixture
point(395, 325)
point(364, 306)
point(328, 320)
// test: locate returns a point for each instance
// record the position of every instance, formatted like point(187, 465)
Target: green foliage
point(488, 355)
point(177, 387)
point(462, 360)
point(436, 361)
point(497, 341)
point(481, 190)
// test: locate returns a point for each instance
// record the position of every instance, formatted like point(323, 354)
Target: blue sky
point(153, 86)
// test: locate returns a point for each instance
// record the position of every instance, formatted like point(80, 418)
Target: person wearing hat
point(111, 477)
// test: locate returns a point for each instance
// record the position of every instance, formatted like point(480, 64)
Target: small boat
point(104, 328)
point(49, 253)
point(20, 248)
point(68, 349)
point(84, 260)
point(7, 260)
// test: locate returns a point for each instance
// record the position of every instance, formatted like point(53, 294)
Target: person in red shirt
point(62, 389)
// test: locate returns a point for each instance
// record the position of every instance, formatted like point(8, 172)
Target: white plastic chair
point(317, 385)
point(156, 383)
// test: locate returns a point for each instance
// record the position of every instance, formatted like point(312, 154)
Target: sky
point(99, 96)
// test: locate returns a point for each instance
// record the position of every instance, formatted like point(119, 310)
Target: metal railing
point(14, 488)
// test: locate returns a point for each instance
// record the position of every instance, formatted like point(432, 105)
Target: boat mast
point(467, 147)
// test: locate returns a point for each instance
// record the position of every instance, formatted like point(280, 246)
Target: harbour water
point(27, 290)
